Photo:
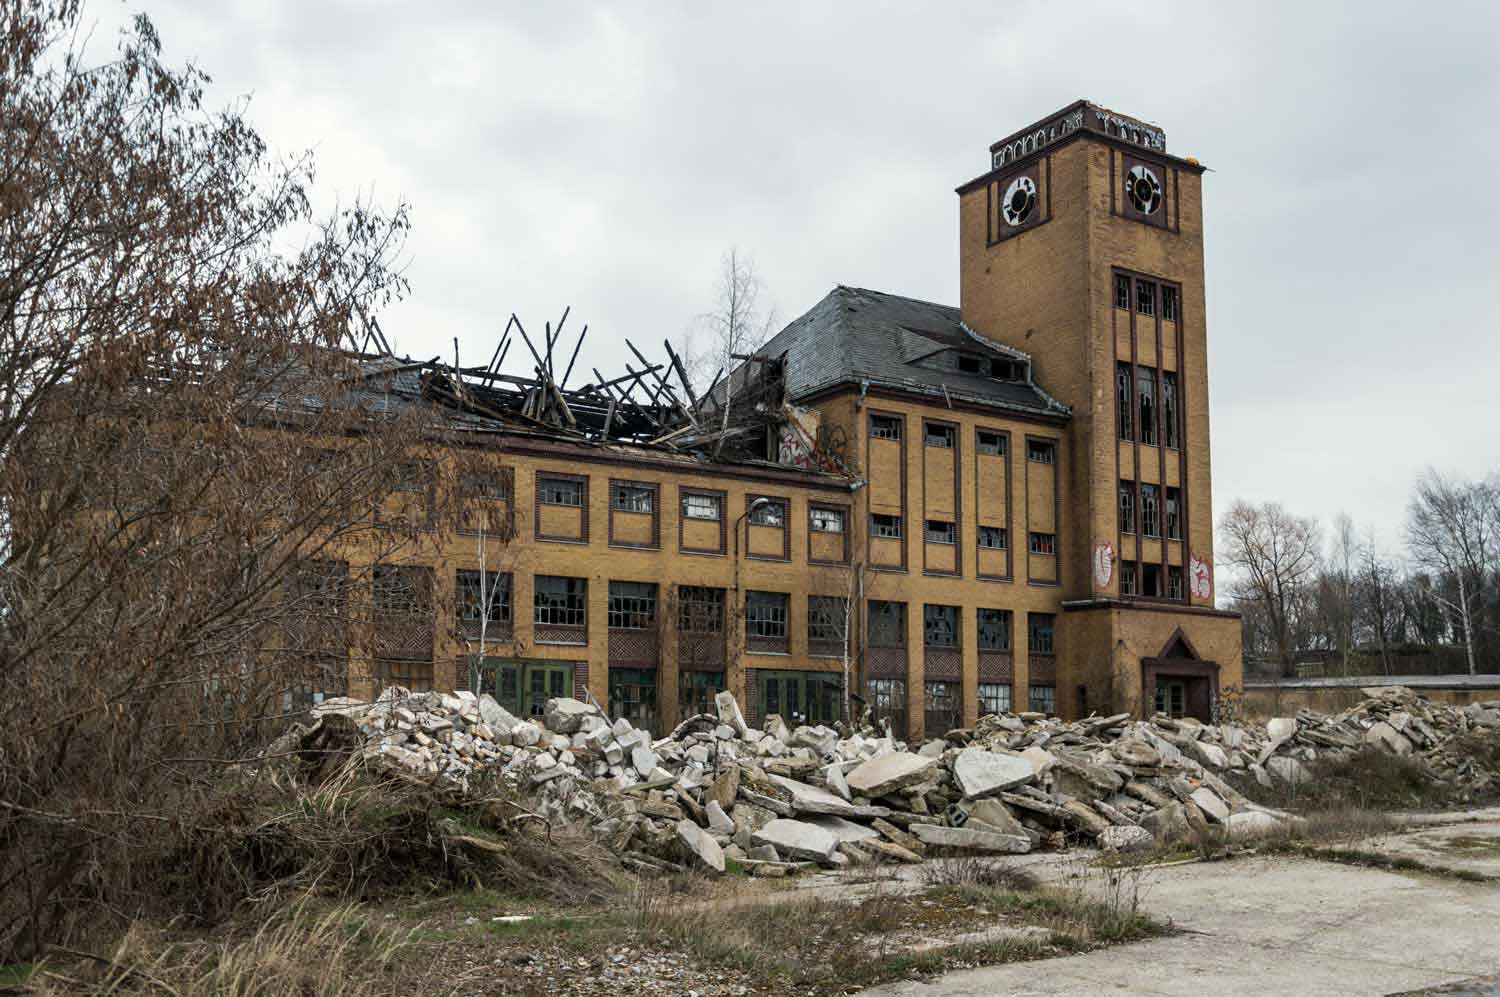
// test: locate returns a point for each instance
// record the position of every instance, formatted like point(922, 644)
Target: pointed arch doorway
point(1178, 682)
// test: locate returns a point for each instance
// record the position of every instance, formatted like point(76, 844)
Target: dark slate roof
point(855, 335)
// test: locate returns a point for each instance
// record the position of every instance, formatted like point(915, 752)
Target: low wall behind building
point(1284, 697)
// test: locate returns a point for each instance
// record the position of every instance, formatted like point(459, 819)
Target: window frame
point(760, 614)
point(1041, 451)
point(715, 498)
point(1151, 510)
point(990, 700)
point(1001, 625)
point(886, 427)
point(1037, 540)
point(466, 582)
point(616, 488)
point(547, 479)
point(946, 433)
point(875, 528)
point(938, 619)
point(1041, 628)
point(929, 535)
point(570, 611)
point(618, 615)
point(1002, 531)
point(998, 448)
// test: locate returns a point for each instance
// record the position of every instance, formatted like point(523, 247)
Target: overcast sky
point(605, 156)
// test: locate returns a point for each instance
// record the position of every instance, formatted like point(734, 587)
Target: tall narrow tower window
point(1123, 398)
point(1145, 389)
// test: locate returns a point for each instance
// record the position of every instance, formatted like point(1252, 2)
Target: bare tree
point(1451, 530)
point(1278, 554)
point(1380, 598)
point(741, 322)
point(188, 476)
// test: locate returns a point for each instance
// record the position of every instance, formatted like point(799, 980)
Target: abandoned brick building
point(1003, 505)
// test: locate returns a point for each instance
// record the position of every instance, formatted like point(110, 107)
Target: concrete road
point(1267, 926)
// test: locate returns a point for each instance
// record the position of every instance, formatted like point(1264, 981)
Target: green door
point(800, 697)
point(523, 687)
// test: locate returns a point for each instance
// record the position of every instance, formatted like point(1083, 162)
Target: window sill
point(576, 541)
point(562, 643)
point(619, 546)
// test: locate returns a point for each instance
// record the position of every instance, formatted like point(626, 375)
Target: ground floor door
point(523, 687)
point(696, 691)
point(800, 697)
point(632, 695)
point(942, 708)
point(1171, 696)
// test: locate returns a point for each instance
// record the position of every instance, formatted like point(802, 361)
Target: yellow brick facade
point(1029, 499)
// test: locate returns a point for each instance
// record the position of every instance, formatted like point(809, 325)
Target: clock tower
point(1082, 245)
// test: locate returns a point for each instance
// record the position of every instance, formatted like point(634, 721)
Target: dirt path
point(1262, 926)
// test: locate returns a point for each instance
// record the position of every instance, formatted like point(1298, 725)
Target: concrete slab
point(1267, 926)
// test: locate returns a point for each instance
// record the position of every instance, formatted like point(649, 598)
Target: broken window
point(1168, 303)
point(1174, 520)
point(993, 538)
point(1127, 507)
point(885, 427)
point(559, 491)
point(1007, 370)
point(1169, 408)
point(990, 443)
point(825, 520)
point(1122, 291)
point(700, 610)
point(1043, 699)
point(1151, 581)
point(1151, 510)
point(632, 498)
point(1123, 399)
point(1040, 451)
point(968, 363)
point(766, 621)
point(1039, 632)
point(484, 597)
point(887, 624)
point(1175, 589)
point(941, 531)
point(1043, 543)
point(696, 506)
point(941, 702)
point(939, 435)
point(994, 629)
point(1128, 583)
point(1145, 297)
point(1145, 390)
point(940, 626)
point(885, 527)
point(771, 512)
point(994, 697)
point(825, 625)
point(632, 605)
point(632, 695)
point(560, 602)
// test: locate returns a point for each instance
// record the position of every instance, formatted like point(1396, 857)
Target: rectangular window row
point(890, 527)
point(1142, 510)
point(1139, 415)
point(1147, 297)
point(944, 436)
point(1152, 582)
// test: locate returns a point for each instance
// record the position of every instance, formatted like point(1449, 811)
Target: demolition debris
point(775, 800)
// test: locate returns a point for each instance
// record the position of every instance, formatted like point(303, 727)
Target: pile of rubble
point(775, 800)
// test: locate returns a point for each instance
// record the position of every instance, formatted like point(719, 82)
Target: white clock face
point(1020, 199)
point(1143, 189)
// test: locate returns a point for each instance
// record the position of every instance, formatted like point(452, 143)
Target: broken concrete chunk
point(981, 772)
point(700, 846)
point(1125, 839)
point(971, 839)
point(1208, 801)
point(798, 839)
point(728, 709)
point(888, 773)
